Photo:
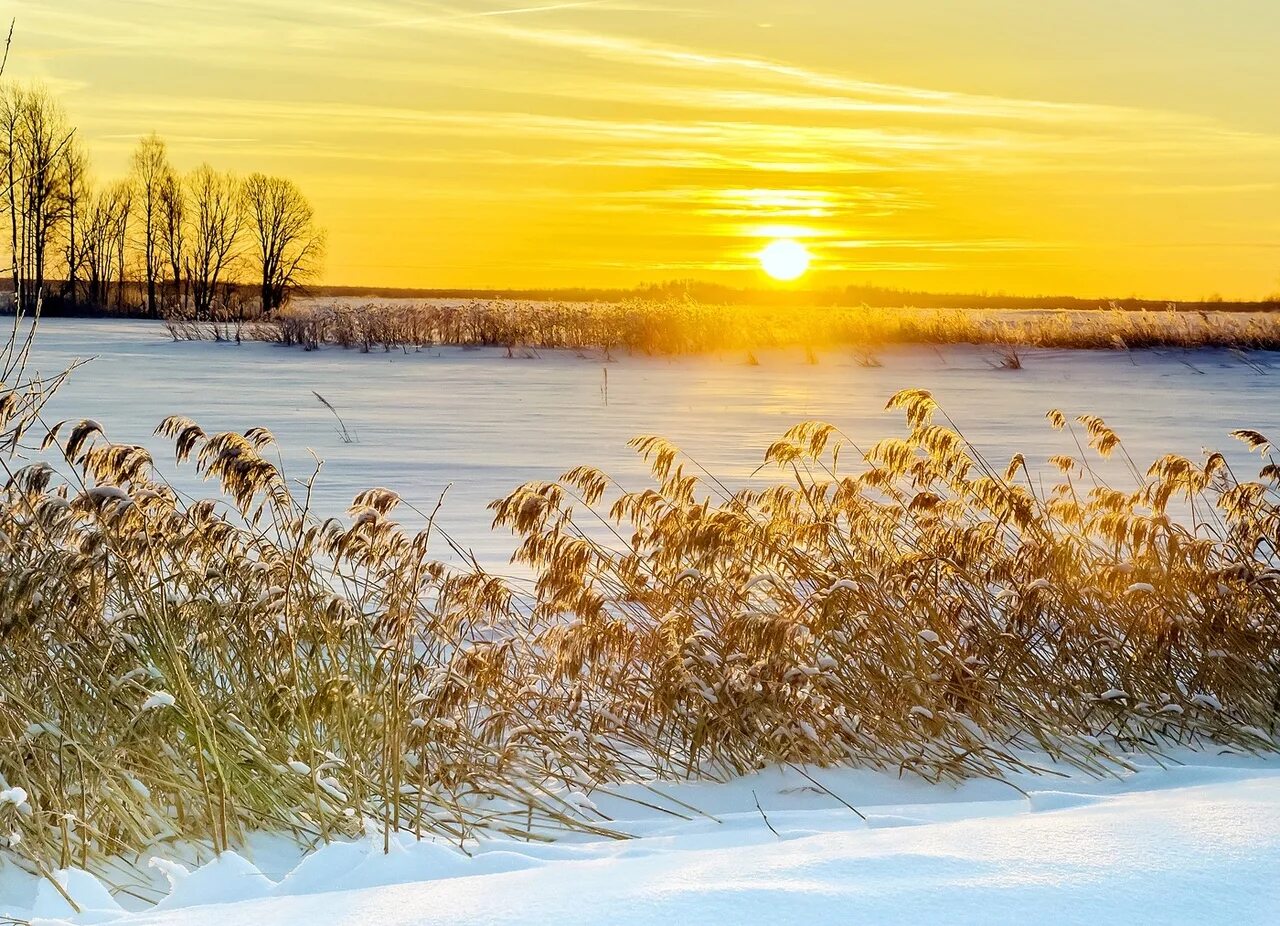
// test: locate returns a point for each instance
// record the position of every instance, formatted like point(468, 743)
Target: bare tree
point(215, 221)
point(122, 193)
point(34, 133)
point(173, 231)
point(186, 230)
point(77, 169)
point(287, 245)
point(150, 170)
point(104, 224)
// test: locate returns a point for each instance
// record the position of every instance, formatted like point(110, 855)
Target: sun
point(785, 259)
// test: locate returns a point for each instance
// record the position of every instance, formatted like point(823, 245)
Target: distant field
point(679, 327)
point(482, 422)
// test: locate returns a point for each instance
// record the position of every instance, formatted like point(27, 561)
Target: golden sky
point(1030, 146)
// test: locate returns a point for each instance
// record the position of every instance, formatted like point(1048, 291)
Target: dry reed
point(684, 327)
point(192, 671)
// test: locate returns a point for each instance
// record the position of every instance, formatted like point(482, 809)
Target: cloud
point(545, 8)
point(840, 90)
point(603, 119)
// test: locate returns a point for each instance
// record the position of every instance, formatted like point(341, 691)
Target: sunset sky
point(1093, 147)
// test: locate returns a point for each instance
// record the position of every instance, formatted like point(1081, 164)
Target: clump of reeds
point(192, 671)
point(176, 670)
point(686, 327)
point(927, 612)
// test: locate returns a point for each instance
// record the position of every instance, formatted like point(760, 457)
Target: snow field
point(1186, 844)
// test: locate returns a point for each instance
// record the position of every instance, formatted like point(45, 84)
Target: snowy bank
point(1189, 844)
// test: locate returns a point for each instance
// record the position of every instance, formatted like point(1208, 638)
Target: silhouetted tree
point(150, 171)
point(34, 133)
point(77, 193)
point(151, 231)
point(287, 245)
point(104, 225)
point(173, 231)
point(215, 222)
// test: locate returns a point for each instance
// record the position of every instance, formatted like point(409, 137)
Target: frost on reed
point(685, 327)
point(178, 670)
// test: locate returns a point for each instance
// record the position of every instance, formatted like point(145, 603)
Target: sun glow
point(785, 260)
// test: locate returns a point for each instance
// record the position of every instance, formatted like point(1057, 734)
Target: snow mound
point(1205, 853)
point(322, 868)
point(888, 821)
point(424, 861)
point(1042, 801)
point(1186, 844)
point(95, 903)
point(227, 879)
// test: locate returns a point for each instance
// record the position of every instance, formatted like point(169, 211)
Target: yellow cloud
point(611, 142)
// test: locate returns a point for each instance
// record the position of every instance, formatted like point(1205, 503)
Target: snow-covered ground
point(480, 423)
point(1193, 844)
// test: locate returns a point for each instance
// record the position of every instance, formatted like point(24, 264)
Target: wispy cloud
point(658, 128)
point(544, 8)
point(867, 94)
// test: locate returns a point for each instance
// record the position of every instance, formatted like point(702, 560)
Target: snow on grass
point(157, 700)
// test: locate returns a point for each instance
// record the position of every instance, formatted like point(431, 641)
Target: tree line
point(157, 241)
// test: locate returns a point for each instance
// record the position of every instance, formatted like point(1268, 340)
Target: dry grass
point(927, 613)
point(177, 670)
point(687, 328)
